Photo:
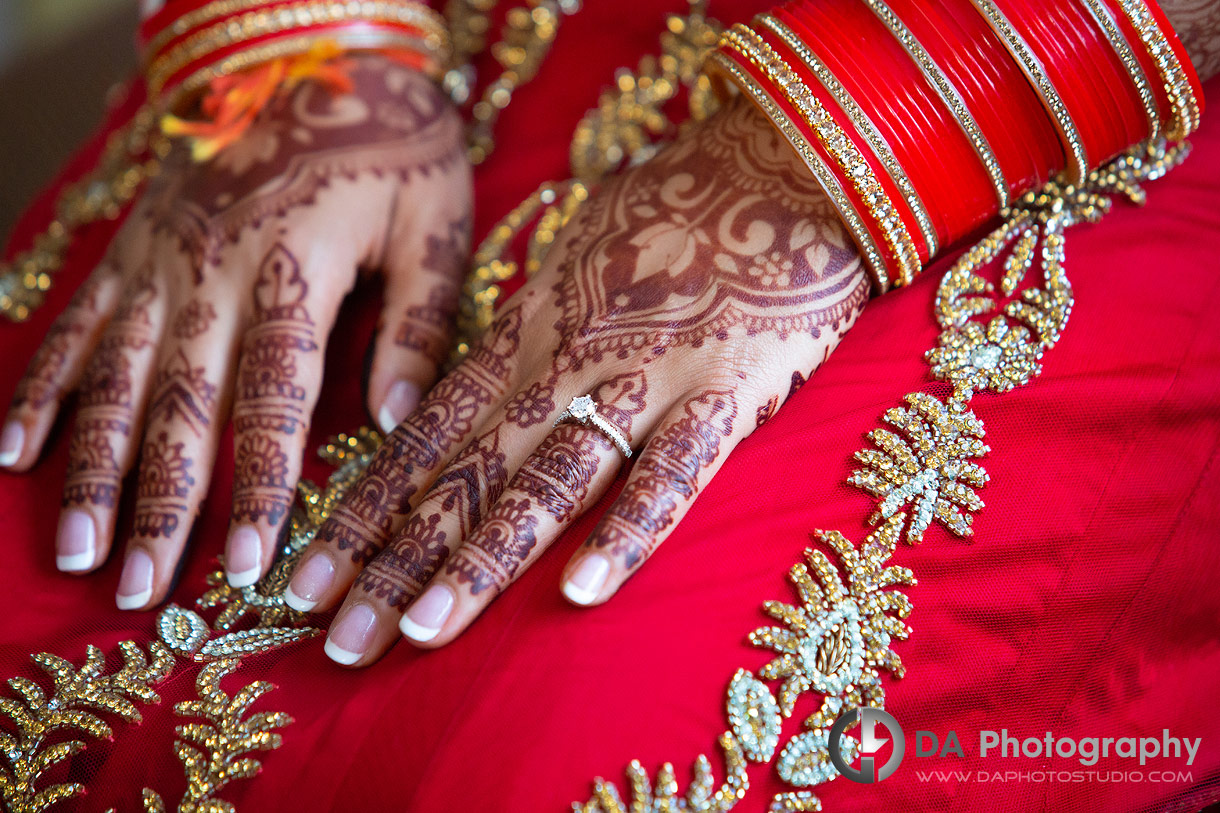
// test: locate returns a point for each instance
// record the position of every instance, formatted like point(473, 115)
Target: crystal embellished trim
point(948, 93)
point(1078, 160)
point(1177, 86)
point(863, 125)
point(750, 45)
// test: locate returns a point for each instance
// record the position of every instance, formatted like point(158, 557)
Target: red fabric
point(1086, 605)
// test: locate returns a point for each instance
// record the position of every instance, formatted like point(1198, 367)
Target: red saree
point(1084, 605)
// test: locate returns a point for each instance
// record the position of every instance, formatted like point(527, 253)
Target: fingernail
point(135, 585)
point(424, 619)
point(75, 542)
point(311, 580)
point(399, 402)
point(587, 580)
point(243, 557)
point(349, 635)
point(11, 441)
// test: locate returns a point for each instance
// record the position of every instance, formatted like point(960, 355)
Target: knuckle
point(556, 479)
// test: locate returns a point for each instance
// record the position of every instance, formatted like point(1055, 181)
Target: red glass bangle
point(1127, 28)
point(942, 163)
point(1006, 107)
point(1119, 117)
point(190, 17)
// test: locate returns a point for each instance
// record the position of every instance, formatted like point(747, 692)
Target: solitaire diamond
point(582, 408)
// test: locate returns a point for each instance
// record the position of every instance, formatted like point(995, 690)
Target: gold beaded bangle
point(1136, 71)
point(864, 126)
point(1078, 161)
point(317, 12)
point(821, 171)
point(1185, 117)
point(852, 163)
point(948, 94)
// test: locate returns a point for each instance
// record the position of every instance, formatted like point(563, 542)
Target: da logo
point(870, 744)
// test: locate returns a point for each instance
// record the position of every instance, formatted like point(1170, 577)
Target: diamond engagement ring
point(584, 411)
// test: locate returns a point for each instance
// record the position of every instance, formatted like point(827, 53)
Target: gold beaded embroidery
point(864, 126)
point(1078, 160)
point(948, 93)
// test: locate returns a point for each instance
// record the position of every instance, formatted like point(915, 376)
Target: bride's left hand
point(689, 298)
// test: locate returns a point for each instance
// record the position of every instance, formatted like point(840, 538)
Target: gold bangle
point(750, 45)
point(842, 203)
point(317, 12)
point(948, 94)
point(1078, 161)
point(1185, 116)
point(194, 19)
point(864, 126)
point(235, 63)
point(1136, 71)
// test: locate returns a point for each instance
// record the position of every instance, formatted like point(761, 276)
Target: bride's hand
point(218, 296)
point(689, 298)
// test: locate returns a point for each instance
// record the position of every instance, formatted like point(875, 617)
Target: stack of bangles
point(924, 119)
point(189, 45)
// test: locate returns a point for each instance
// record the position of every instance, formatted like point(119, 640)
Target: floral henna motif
point(723, 235)
point(395, 122)
point(363, 521)
point(399, 573)
point(165, 482)
point(504, 541)
point(270, 403)
point(532, 405)
point(666, 474)
point(194, 319)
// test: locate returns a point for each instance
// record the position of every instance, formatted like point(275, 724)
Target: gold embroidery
point(78, 696)
point(835, 643)
point(216, 751)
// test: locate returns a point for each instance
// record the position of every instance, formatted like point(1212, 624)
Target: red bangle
point(1176, 76)
point(907, 111)
point(1006, 107)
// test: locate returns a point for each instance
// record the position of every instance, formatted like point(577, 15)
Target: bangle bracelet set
point(189, 44)
point(924, 119)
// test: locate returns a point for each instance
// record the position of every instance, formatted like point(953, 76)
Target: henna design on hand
point(181, 392)
point(194, 319)
point(362, 522)
point(667, 472)
point(270, 402)
point(427, 328)
point(394, 122)
point(165, 482)
point(504, 541)
point(766, 411)
point(723, 235)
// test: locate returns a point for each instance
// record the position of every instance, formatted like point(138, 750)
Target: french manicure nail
point(349, 636)
point(311, 580)
point(75, 542)
point(12, 439)
point(135, 585)
point(243, 557)
point(424, 619)
point(399, 402)
point(587, 580)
